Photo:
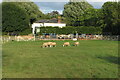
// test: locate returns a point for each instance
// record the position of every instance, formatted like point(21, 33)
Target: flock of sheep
point(53, 44)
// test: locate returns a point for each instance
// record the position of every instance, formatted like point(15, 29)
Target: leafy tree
point(93, 17)
point(18, 16)
point(74, 12)
point(111, 11)
point(31, 9)
point(13, 18)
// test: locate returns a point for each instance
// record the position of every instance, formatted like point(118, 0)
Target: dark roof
point(47, 21)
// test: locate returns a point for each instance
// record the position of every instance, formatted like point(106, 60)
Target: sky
point(47, 7)
point(0, 1)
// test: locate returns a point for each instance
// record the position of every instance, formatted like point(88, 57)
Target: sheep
point(49, 44)
point(53, 44)
point(66, 44)
point(44, 45)
point(76, 43)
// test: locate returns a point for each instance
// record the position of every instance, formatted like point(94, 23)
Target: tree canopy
point(74, 12)
point(13, 18)
point(111, 17)
point(17, 16)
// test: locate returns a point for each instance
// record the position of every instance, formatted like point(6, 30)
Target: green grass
point(91, 59)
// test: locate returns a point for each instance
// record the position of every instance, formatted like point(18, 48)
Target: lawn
point(91, 59)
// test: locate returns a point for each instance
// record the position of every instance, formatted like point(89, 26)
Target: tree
point(14, 19)
point(31, 9)
point(111, 11)
point(74, 12)
point(18, 16)
point(53, 14)
point(93, 17)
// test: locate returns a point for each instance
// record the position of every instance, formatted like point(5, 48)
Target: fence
point(113, 37)
point(5, 39)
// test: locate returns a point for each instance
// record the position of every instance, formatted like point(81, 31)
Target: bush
point(26, 32)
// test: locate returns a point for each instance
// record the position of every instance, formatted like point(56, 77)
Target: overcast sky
point(47, 7)
point(0, 1)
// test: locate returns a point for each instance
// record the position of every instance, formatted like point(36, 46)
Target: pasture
point(91, 59)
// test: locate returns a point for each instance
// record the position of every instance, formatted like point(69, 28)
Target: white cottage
point(45, 22)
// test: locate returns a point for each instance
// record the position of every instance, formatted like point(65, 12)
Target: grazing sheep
point(53, 44)
point(66, 44)
point(76, 43)
point(44, 45)
point(49, 44)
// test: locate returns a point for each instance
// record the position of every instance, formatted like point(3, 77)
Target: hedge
point(71, 30)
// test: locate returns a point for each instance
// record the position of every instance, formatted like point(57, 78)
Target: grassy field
point(91, 59)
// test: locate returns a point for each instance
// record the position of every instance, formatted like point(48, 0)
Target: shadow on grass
point(111, 59)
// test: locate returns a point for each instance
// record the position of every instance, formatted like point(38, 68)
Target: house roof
point(48, 21)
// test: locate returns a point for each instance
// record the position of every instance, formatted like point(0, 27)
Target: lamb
point(66, 44)
point(76, 43)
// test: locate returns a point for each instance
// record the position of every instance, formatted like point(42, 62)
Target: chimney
point(59, 19)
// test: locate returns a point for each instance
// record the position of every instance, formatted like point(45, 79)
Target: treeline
point(71, 30)
point(83, 14)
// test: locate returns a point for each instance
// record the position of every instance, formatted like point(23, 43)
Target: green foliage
point(18, 16)
point(71, 29)
point(107, 18)
point(26, 32)
point(74, 12)
point(111, 12)
point(31, 9)
point(13, 18)
point(53, 14)
point(82, 15)
point(93, 17)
